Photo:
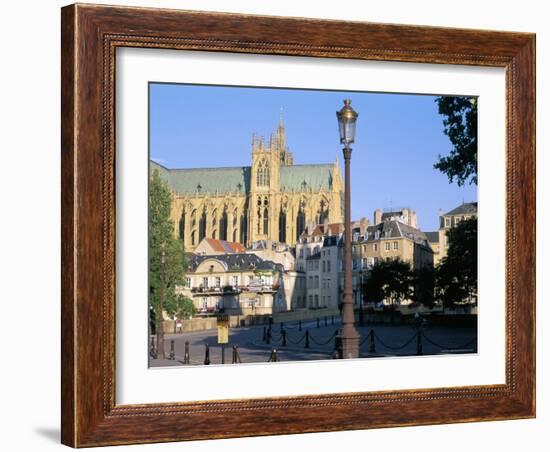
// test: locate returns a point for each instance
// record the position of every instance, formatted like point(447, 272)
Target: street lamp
point(160, 325)
point(349, 337)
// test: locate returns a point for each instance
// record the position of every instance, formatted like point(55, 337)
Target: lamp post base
point(349, 343)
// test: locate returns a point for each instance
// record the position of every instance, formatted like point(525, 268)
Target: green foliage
point(424, 280)
point(162, 238)
point(389, 279)
point(460, 125)
point(457, 273)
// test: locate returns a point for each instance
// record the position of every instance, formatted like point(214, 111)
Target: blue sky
point(398, 139)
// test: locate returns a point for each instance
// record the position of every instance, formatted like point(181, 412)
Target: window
point(355, 264)
point(235, 281)
point(316, 301)
point(205, 282)
point(328, 266)
point(218, 281)
point(375, 246)
point(387, 246)
point(365, 263)
point(324, 267)
point(311, 300)
point(316, 282)
point(262, 177)
point(205, 302)
point(301, 252)
point(187, 282)
point(447, 222)
point(395, 246)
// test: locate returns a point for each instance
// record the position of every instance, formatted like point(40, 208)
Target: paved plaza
point(389, 340)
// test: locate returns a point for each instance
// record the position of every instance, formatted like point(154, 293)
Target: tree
point(424, 280)
point(162, 238)
point(460, 125)
point(389, 279)
point(457, 273)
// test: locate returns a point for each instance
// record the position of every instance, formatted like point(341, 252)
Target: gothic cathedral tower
point(265, 190)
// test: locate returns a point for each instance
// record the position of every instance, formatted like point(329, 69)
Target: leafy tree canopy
point(388, 279)
point(457, 272)
point(162, 238)
point(460, 125)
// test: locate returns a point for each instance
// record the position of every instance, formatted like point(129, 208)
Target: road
point(389, 340)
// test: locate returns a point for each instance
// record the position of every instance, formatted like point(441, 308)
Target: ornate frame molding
point(90, 36)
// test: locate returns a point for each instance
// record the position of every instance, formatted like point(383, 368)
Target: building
point(438, 239)
point(237, 284)
point(272, 199)
point(213, 246)
point(404, 215)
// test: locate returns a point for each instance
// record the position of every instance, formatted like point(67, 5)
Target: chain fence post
point(186, 354)
point(172, 350)
point(419, 343)
point(206, 354)
point(307, 339)
point(264, 338)
point(268, 337)
point(372, 343)
point(299, 325)
point(283, 333)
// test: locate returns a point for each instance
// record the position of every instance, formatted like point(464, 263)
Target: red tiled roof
point(223, 246)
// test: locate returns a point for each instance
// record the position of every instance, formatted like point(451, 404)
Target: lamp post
point(349, 336)
point(160, 325)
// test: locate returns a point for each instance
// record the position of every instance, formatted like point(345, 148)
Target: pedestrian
point(179, 326)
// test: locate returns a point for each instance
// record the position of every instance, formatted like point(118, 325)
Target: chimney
point(377, 216)
point(363, 224)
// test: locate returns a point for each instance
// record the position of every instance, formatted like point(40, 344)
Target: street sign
point(223, 329)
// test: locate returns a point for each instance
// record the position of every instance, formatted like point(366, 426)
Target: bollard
point(338, 347)
point(372, 343)
point(326, 321)
point(172, 350)
point(283, 333)
point(307, 339)
point(223, 353)
point(299, 325)
point(273, 358)
point(268, 338)
point(186, 354)
point(153, 351)
point(318, 324)
point(234, 359)
point(265, 335)
point(419, 343)
point(282, 327)
point(206, 354)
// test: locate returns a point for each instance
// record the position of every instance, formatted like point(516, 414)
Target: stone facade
point(438, 239)
point(273, 199)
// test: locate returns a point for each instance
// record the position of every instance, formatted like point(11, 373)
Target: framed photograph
point(324, 225)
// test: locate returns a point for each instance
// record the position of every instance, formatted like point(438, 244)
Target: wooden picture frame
point(90, 36)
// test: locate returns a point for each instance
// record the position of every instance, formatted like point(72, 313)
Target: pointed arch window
point(282, 227)
point(182, 226)
point(300, 222)
point(244, 229)
point(223, 226)
point(262, 175)
point(266, 221)
point(202, 225)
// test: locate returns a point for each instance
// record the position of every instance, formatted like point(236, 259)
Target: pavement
point(389, 340)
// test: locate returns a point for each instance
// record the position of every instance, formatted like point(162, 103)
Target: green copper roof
point(205, 180)
point(237, 179)
point(306, 177)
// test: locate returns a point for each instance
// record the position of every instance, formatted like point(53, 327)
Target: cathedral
point(273, 199)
